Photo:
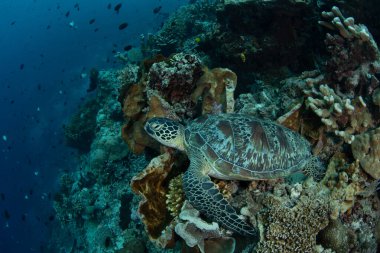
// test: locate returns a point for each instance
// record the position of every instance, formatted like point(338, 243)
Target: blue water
point(42, 59)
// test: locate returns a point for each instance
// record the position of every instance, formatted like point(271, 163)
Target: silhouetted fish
point(91, 21)
point(67, 14)
point(2, 196)
point(48, 27)
point(22, 66)
point(23, 217)
point(127, 48)
point(96, 29)
point(157, 9)
point(6, 214)
point(117, 8)
point(123, 26)
point(76, 6)
point(109, 6)
point(13, 22)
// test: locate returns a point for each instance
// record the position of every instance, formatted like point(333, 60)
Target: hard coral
point(80, 131)
point(197, 232)
point(293, 229)
point(335, 237)
point(366, 149)
point(216, 89)
point(175, 196)
point(175, 79)
point(171, 88)
point(355, 56)
point(345, 181)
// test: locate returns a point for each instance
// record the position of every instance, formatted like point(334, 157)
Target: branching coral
point(355, 56)
point(344, 117)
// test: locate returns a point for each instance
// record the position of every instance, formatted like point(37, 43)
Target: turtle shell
point(243, 147)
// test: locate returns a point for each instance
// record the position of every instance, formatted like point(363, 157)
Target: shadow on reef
point(127, 194)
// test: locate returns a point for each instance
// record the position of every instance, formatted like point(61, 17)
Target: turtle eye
point(156, 126)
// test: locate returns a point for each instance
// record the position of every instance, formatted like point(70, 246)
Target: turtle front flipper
point(204, 196)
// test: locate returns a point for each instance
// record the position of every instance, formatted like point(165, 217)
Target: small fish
point(123, 26)
point(76, 6)
point(13, 22)
point(2, 196)
point(157, 9)
point(48, 27)
point(67, 14)
point(91, 21)
point(22, 66)
point(127, 48)
point(6, 214)
point(72, 25)
point(117, 8)
point(109, 6)
point(23, 217)
point(96, 29)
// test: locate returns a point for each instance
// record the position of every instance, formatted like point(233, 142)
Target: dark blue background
point(37, 100)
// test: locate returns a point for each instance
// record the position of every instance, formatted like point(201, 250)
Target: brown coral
point(216, 88)
point(366, 149)
point(150, 185)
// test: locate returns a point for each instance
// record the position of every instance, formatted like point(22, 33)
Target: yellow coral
point(175, 196)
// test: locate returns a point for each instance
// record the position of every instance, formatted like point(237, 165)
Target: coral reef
point(366, 150)
point(80, 131)
point(216, 90)
point(293, 228)
point(177, 88)
point(335, 106)
point(150, 185)
point(175, 196)
point(335, 237)
point(197, 232)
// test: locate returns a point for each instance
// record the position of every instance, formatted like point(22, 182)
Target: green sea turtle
point(234, 147)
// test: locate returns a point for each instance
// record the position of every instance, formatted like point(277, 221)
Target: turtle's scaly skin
point(230, 146)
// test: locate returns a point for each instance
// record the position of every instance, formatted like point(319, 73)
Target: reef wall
point(305, 64)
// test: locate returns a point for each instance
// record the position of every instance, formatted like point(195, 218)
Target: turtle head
point(168, 132)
